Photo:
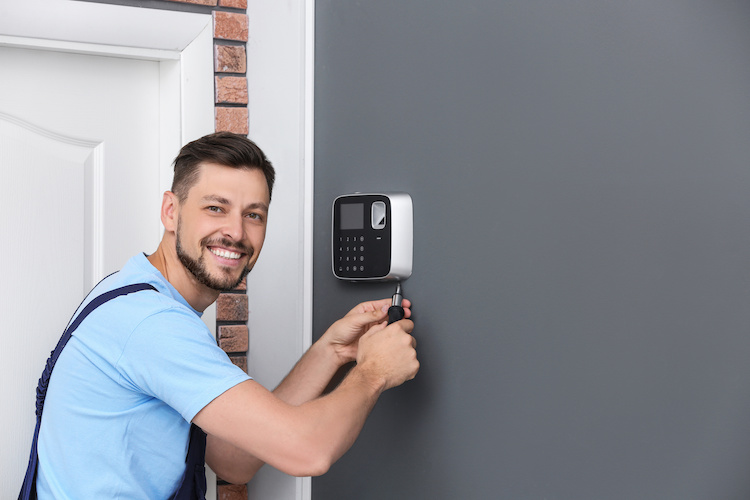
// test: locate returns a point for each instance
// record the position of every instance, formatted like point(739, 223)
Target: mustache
point(223, 242)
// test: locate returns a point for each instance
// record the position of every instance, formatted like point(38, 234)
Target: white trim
point(309, 144)
point(97, 215)
point(89, 48)
point(304, 491)
point(169, 123)
point(197, 85)
point(91, 24)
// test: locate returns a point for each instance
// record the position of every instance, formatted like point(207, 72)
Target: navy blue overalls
point(193, 483)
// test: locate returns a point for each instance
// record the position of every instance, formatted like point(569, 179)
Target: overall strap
point(28, 490)
point(193, 483)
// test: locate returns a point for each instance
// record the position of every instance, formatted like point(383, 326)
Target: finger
point(405, 324)
point(372, 305)
point(378, 327)
point(406, 304)
point(360, 319)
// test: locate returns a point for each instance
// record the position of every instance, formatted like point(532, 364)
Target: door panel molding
point(89, 155)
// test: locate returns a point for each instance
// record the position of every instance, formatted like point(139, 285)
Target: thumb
point(366, 318)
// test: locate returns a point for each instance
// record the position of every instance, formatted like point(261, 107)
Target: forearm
point(305, 382)
point(310, 376)
point(298, 440)
point(337, 418)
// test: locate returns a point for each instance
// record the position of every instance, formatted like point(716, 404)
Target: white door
point(79, 195)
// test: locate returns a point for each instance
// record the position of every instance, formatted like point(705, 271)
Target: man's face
point(221, 225)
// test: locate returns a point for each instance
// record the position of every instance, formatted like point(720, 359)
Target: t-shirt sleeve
point(172, 356)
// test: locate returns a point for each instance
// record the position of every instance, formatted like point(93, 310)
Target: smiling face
point(221, 225)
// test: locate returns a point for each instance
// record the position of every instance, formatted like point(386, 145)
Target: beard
point(226, 280)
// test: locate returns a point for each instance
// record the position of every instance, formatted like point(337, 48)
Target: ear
point(169, 209)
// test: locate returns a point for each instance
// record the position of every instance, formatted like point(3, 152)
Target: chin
point(227, 283)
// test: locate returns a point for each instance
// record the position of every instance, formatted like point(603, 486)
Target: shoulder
point(160, 299)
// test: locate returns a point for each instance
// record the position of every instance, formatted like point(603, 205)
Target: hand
point(343, 336)
point(387, 354)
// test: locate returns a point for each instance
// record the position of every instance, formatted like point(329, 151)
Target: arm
point(302, 384)
point(236, 466)
point(307, 380)
point(306, 438)
point(337, 347)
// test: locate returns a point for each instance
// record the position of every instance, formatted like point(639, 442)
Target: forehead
point(236, 184)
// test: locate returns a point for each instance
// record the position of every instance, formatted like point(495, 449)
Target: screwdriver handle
point(395, 313)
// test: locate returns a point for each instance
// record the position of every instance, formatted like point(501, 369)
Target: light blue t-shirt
point(123, 392)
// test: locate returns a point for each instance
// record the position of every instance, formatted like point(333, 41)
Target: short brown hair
point(223, 148)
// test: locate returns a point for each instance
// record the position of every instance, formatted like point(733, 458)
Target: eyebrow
point(214, 198)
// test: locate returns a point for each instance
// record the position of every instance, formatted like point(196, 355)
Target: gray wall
point(580, 171)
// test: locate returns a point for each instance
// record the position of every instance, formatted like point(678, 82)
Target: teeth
point(225, 253)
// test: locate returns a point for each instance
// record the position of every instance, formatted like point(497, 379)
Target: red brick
point(237, 4)
point(233, 338)
point(230, 59)
point(199, 2)
point(230, 26)
point(231, 90)
point(232, 492)
point(240, 361)
point(232, 120)
point(231, 307)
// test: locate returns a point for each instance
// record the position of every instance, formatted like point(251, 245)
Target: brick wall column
point(232, 336)
point(231, 115)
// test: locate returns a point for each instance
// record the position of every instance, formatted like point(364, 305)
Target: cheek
point(258, 236)
point(202, 229)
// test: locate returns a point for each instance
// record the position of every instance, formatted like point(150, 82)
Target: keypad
point(352, 254)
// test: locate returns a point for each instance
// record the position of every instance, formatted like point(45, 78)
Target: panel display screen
point(352, 216)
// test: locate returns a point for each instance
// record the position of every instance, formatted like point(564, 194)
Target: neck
point(165, 260)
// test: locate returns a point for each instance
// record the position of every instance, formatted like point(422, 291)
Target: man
point(140, 368)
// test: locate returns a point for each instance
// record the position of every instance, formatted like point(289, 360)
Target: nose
point(234, 228)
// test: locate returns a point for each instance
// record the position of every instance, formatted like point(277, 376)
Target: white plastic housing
point(399, 226)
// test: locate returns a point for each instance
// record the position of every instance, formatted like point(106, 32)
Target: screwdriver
point(396, 312)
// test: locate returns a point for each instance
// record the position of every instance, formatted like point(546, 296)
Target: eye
point(214, 209)
point(254, 216)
